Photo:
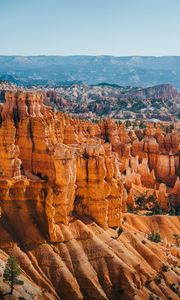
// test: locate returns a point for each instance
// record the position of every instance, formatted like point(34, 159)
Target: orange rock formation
point(64, 186)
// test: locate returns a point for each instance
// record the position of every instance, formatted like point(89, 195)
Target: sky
point(90, 27)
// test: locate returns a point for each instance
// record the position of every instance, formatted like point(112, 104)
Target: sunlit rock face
point(85, 166)
point(37, 143)
point(65, 185)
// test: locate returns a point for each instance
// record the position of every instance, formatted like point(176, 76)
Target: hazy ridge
point(131, 70)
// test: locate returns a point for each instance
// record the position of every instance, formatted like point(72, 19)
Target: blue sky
point(96, 27)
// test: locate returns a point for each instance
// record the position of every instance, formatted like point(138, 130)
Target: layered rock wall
point(60, 178)
point(86, 168)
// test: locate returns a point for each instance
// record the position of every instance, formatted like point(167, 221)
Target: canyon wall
point(55, 169)
point(77, 166)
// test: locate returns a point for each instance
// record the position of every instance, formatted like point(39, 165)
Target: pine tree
point(11, 274)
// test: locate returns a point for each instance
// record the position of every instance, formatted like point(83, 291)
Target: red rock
point(65, 184)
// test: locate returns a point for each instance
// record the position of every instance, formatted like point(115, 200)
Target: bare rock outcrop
point(65, 187)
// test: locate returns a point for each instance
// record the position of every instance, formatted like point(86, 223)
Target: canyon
point(153, 104)
point(68, 186)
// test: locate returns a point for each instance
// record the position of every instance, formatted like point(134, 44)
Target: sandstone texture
point(65, 188)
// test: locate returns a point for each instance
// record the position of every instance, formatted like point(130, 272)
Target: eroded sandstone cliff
point(66, 185)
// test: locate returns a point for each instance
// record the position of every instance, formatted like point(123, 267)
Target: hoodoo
point(65, 188)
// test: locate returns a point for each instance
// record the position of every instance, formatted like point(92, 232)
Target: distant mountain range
point(125, 71)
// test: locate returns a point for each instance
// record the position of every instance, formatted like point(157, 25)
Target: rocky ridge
point(66, 185)
point(125, 71)
point(156, 103)
point(161, 102)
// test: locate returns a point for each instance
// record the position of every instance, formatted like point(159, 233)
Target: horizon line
point(91, 55)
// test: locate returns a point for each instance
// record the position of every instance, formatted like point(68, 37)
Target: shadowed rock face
point(65, 186)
